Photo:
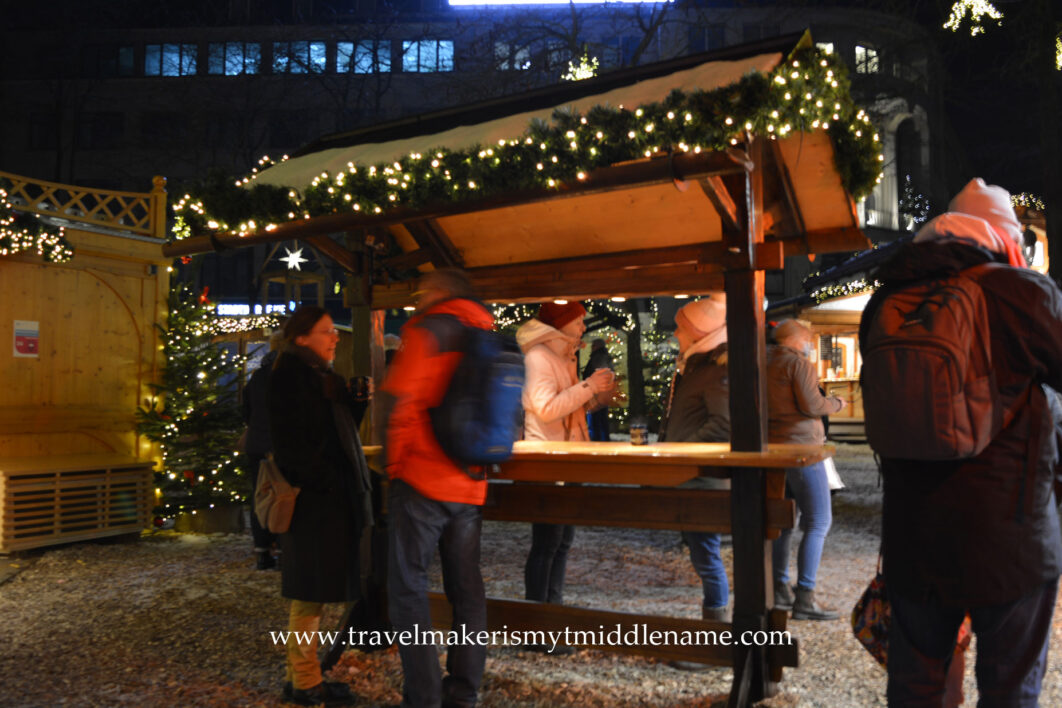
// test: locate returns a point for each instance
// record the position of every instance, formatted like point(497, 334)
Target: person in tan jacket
point(795, 407)
point(555, 402)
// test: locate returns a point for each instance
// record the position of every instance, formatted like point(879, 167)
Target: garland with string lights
point(808, 92)
point(914, 204)
point(26, 233)
point(194, 413)
point(1027, 200)
point(249, 323)
point(853, 287)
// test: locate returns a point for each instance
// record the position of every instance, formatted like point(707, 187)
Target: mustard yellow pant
point(303, 666)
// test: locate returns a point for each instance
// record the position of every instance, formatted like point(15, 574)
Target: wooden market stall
point(708, 200)
point(85, 348)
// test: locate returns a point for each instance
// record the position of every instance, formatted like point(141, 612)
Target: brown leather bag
point(274, 497)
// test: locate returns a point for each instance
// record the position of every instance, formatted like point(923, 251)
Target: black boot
point(783, 596)
point(264, 560)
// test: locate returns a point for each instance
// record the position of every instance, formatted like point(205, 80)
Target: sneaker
point(328, 693)
point(805, 607)
point(783, 596)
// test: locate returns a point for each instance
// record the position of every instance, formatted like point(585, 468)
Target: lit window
point(170, 59)
point(509, 56)
point(234, 58)
point(428, 55)
point(367, 56)
point(299, 57)
point(866, 60)
point(826, 47)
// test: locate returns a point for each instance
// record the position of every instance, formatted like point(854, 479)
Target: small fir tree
point(194, 413)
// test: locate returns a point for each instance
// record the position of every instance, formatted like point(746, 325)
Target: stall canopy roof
point(654, 225)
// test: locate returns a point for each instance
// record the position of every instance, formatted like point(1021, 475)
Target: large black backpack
point(929, 391)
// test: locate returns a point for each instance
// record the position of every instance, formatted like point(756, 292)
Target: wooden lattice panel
point(134, 212)
point(50, 500)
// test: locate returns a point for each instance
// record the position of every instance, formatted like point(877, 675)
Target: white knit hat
point(707, 314)
point(991, 203)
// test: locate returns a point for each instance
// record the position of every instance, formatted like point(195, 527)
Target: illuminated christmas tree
point(194, 413)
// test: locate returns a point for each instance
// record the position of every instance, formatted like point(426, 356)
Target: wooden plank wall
point(99, 347)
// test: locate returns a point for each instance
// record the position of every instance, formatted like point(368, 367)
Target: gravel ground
point(184, 620)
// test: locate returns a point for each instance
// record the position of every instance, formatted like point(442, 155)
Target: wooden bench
point(64, 498)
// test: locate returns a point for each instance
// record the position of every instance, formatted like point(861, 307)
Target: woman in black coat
point(315, 443)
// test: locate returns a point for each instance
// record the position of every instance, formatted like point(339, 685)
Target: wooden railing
point(133, 212)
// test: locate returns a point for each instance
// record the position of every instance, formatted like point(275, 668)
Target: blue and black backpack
point(481, 414)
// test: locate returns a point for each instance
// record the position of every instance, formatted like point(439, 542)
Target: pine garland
point(22, 232)
point(808, 92)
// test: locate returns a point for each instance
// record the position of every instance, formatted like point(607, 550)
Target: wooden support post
point(359, 297)
point(157, 201)
point(748, 433)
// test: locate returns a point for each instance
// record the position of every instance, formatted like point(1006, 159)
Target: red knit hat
point(557, 316)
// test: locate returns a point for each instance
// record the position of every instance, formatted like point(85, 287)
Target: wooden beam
point(724, 204)
point(629, 507)
point(702, 253)
point(634, 282)
point(337, 252)
point(431, 237)
point(849, 238)
point(786, 181)
point(657, 170)
point(407, 261)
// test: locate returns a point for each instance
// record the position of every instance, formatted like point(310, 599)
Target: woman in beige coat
point(555, 402)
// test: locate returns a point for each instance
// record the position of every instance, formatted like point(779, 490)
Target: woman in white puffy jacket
point(555, 402)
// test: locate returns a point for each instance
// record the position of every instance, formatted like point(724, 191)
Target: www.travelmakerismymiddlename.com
point(615, 636)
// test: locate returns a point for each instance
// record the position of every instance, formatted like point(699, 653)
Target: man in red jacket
point(433, 503)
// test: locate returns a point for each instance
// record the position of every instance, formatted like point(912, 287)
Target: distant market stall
point(672, 178)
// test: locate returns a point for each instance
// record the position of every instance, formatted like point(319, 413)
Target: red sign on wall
point(27, 338)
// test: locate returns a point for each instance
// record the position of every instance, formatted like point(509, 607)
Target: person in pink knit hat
point(978, 536)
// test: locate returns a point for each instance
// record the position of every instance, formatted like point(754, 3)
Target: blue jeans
point(707, 561)
point(546, 562)
point(1011, 649)
point(809, 487)
point(416, 527)
point(597, 425)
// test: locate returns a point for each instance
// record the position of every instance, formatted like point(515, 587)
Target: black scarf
point(335, 390)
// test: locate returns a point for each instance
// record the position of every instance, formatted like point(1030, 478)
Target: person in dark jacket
point(795, 406)
point(597, 420)
point(313, 425)
point(258, 444)
point(979, 535)
point(699, 411)
point(433, 503)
